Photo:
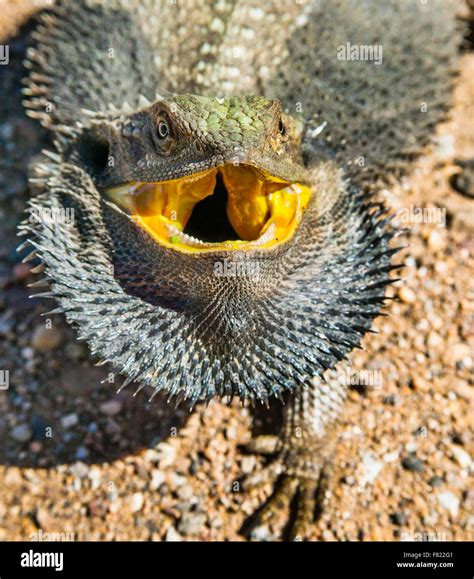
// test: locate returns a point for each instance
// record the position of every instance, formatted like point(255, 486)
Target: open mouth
point(233, 207)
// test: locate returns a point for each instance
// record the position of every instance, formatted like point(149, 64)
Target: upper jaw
point(263, 210)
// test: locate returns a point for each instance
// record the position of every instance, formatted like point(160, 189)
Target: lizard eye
point(163, 129)
point(281, 128)
point(162, 134)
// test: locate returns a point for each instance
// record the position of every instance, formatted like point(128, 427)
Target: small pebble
point(167, 454)
point(449, 501)
point(69, 420)
point(436, 481)
point(248, 464)
point(27, 353)
point(398, 518)
point(96, 508)
point(173, 535)
point(21, 271)
point(407, 295)
point(12, 477)
point(461, 457)
point(412, 446)
point(391, 456)
point(21, 433)
point(81, 453)
point(151, 455)
point(390, 400)
point(157, 479)
point(371, 468)
point(44, 519)
point(136, 503)
point(412, 463)
point(457, 353)
point(177, 480)
point(436, 240)
point(111, 407)
point(231, 433)
point(435, 341)
point(79, 470)
point(185, 492)
point(262, 533)
point(36, 447)
point(95, 476)
point(192, 523)
point(45, 339)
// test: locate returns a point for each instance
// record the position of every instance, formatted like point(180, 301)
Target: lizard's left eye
point(282, 128)
point(163, 129)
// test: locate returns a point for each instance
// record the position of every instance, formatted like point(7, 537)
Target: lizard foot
point(301, 478)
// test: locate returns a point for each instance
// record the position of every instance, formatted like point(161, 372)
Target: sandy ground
point(84, 463)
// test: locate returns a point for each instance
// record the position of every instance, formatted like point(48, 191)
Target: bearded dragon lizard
point(222, 160)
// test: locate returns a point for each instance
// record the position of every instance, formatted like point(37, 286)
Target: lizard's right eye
point(162, 135)
point(163, 129)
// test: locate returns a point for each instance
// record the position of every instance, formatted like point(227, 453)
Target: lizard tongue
point(248, 205)
point(175, 200)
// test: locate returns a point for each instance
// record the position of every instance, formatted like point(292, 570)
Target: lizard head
point(204, 258)
point(203, 174)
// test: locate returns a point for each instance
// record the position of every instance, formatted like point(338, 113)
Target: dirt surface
point(80, 462)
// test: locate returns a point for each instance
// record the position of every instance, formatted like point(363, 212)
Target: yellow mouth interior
point(230, 207)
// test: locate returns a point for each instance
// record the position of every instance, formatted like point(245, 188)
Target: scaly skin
point(343, 128)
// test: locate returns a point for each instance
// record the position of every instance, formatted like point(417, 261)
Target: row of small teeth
point(186, 239)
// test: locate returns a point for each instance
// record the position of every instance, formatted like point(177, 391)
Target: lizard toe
point(301, 491)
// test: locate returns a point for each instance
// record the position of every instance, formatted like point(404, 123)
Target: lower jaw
point(264, 211)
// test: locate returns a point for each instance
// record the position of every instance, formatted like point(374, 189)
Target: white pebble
point(391, 456)
point(461, 457)
point(111, 407)
point(157, 479)
point(173, 535)
point(217, 26)
point(69, 420)
point(21, 433)
point(371, 468)
point(136, 502)
point(450, 502)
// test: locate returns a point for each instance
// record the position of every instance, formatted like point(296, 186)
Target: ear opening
point(93, 152)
